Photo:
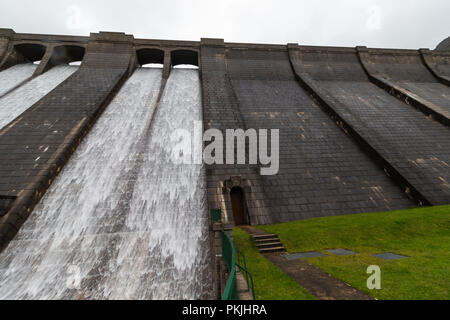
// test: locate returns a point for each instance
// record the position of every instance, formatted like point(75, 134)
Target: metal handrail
point(240, 259)
point(247, 276)
point(229, 255)
point(240, 256)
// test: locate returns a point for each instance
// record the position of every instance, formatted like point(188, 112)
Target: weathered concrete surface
point(302, 185)
point(36, 145)
point(444, 45)
point(5, 47)
point(322, 171)
point(438, 63)
point(244, 292)
point(220, 111)
point(5, 36)
point(415, 147)
point(405, 75)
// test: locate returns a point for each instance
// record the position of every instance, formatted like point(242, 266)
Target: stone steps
point(261, 241)
point(272, 250)
point(268, 243)
point(264, 236)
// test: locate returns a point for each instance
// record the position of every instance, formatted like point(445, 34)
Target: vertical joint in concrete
point(44, 65)
point(293, 46)
point(167, 64)
point(361, 49)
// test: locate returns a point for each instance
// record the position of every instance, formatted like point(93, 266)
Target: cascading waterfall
point(121, 221)
point(15, 75)
point(168, 215)
point(22, 98)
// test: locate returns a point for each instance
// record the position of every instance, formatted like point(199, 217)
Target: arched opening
point(72, 55)
point(31, 51)
point(238, 206)
point(150, 58)
point(185, 66)
point(186, 59)
point(153, 65)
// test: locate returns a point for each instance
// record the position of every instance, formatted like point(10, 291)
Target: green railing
point(242, 264)
point(229, 255)
point(216, 215)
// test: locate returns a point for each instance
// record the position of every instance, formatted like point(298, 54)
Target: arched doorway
point(238, 206)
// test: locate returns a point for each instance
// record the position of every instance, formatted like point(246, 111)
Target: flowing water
point(15, 75)
point(19, 100)
point(121, 221)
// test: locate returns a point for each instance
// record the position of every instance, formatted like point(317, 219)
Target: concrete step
point(275, 244)
point(270, 250)
point(264, 236)
point(261, 241)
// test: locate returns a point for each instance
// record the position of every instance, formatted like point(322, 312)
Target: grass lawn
point(270, 282)
point(423, 234)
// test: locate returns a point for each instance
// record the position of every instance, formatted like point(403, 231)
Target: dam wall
point(360, 129)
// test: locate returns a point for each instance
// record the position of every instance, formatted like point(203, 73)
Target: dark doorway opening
point(31, 51)
point(238, 206)
point(184, 57)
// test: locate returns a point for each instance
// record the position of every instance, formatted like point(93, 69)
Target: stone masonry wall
point(220, 111)
point(406, 76)
point(416, 147)
point(322, 171)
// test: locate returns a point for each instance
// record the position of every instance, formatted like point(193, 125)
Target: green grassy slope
point(270, 282)
point(423, 234)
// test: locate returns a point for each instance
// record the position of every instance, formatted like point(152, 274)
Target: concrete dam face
point(97, 203)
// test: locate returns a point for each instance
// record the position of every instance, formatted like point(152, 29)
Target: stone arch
point(63, 54)
point(30, 52)
point(149, 55)
point(22, 52)
point(237, 191)
point(60, 54)
point(238, 206)
point(182, 56)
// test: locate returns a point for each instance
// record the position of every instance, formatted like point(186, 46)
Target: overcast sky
point(373, 23)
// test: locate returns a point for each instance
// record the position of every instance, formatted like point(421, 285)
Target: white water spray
point(15, 75)
point(16, 102)
point(120, 221)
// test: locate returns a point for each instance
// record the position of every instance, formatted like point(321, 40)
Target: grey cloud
point(374, 23)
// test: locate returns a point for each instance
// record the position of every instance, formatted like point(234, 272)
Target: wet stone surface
point(390, 256)
point(341, 252)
